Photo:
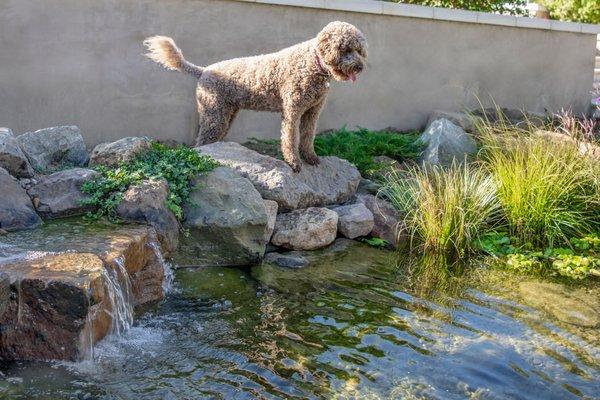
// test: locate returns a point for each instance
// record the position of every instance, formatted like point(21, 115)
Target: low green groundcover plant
point(578, 261)
point(357, 146)
point(361, 145)
point(176, 165)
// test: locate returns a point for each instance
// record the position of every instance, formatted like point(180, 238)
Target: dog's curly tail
point(164, 51)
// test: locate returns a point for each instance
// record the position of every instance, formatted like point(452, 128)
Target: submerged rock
point(16, 210)
point(146, 203)
point(12, 157)
point(354, 220)
point(52, 148)
point(343, 261)
point(62, 302)
point(59, 194)
point(287, 260)
point(387, 223)
point(446, 143)
point(306, 229)
point(121, 151)
point(571, 306)
point(227, 222)
point(333, 181)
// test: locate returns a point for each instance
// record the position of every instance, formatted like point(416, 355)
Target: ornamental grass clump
point(445, 209)
point(549, 192)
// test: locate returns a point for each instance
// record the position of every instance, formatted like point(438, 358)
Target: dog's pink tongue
point(352, 77)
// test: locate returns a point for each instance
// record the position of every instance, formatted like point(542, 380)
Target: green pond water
point(355, 324)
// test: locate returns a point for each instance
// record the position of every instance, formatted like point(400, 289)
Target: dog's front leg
point(308, 126)
point(290, 138)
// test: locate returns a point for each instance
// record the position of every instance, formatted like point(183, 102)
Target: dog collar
point(319, 64)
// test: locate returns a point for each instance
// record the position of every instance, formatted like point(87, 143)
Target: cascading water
point(168, 276)
point(120, 297)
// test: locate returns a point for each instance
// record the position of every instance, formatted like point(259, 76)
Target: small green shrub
point(358, 146)
point(547, 189)
point(176, 165)
point(361, 145)
point(446, 210)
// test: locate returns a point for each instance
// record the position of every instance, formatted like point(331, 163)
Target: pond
point(352, 325)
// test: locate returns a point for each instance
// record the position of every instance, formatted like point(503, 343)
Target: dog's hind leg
point(308, 126)
point(213, 123)
point(290, 138)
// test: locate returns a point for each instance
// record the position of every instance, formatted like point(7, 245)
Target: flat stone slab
point(333, 181)
point(73, 283)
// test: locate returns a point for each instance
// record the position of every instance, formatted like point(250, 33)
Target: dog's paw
point(296, 166)
point(311, 159)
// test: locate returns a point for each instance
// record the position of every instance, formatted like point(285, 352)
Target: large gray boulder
point(354, 220)
point(122, 151)
point(387, 222)
point(146, 203)
point(446, 142)
point(59, 194)
point(333, 181)
point(227, 222)
point(12, 157)
point(466, 121)
point(16, 210)
point(307, 229)
point(53, 148)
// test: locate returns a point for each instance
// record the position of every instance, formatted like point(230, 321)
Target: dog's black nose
point(359, 68)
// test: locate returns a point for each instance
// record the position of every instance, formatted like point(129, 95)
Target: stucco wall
point(80, 62)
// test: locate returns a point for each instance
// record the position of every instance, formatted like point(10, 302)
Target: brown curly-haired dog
point(294, 81)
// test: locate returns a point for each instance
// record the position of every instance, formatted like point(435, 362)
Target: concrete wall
point(80, 62)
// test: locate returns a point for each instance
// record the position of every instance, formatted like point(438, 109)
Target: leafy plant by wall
point(587, 11)
point(515, 7)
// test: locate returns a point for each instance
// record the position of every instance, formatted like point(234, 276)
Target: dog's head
point(342, 49)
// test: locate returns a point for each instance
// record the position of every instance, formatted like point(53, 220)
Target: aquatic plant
point(445, 209)
point(548, 190)
point(176, 165)
point(579, 261)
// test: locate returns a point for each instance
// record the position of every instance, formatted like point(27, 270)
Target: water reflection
point(357, 323)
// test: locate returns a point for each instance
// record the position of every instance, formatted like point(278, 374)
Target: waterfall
point(168, 270)
point(119, 294)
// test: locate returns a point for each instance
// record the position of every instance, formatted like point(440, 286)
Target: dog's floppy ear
point(326, 43)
